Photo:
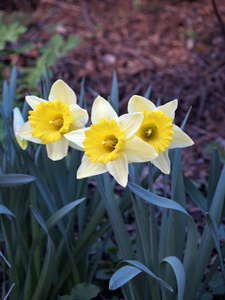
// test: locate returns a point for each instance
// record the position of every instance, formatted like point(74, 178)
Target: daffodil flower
point(50, 120)
point(157, 129)
point(110, 143)
point(17, 122)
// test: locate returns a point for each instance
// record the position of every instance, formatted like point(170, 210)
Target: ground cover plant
point(59, 205)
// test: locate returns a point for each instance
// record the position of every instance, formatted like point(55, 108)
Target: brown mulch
point(176, 47)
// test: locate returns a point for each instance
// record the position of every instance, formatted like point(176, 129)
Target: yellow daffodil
point(17, 122)
point(157, 129)
point(50, 120)
point(110, 143)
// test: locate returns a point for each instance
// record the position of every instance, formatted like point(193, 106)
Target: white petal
point(88, 168)
point(102, 109)
point(169, 108)
point(119, 169)
point(79, 115)
point(17, 119)
point(162, 162)
point(61, 91)
point(137, 150)
point(130, 123)
point(138, 104)
point(180, 139)
point(76, 138)
point(33, 101)
point(58, 149)
point(24, 132)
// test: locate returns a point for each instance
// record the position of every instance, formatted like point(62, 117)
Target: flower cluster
point(145, 133)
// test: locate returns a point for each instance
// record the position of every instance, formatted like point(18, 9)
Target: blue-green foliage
point(40, 201)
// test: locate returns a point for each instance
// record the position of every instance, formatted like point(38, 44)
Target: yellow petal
point(138, 104)
point(24, 132)
point(76, 138)
point(79, 115)
point(33, 101)
point(130, 123)
point(119, 169)
point(169, 108)
point(88, 168)
point(102, 109)
point(180, 139)
point(162, 162)
point(137, 150)
point(58, 149)
point(61, 91)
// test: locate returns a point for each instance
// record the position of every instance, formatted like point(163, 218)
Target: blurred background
point(174, 46)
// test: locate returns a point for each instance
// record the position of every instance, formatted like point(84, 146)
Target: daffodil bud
point(17, 123)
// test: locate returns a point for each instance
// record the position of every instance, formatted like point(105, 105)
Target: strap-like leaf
point(7, 180)
point(126, 273)
point(215, 234)
point(178, 269)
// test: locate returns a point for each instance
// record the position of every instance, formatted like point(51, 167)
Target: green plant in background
point(56, 47)
point(10, 33)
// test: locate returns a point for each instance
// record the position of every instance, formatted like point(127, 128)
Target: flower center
point(103, 141)
point(110, 143)
point(50, 120)
point(57, 122)
point(156, 130)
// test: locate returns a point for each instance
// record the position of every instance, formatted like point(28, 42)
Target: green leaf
point(57, 216)
point(48, 269)
point(195, 195)
point(66, 297)
point(136, 267)
point(114, 96)
point(71, 43)
point(217, 284)
point(7, 180)
point(122, 276)
point(178, 269)
point(5, 260)
point(215, 234)
point(155, 199)
point(214, 175)
point(85, 291)
point(5, 211)
point(192, 237)
point(148, 92)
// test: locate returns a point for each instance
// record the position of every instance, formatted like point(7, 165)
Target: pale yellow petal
point(33, 101)
point(130, 123)
point(162, 162)
point(79, 115)
point(180, 139)
point(137, 150)
point(102, 109)
point(24, 132)
point(138, 104)
point(58, 149)
point(119, 169)
point(61, 91)
point(88, 168)
point(76, 138)
point(17, 119)
point(169, 108)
